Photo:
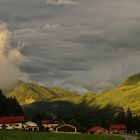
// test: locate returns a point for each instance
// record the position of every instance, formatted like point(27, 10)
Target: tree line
point(9, 106)
point(84, 122)
point(126, 117)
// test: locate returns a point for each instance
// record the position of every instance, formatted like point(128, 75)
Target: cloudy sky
point(87, 45)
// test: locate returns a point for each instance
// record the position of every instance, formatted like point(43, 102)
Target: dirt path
point(129, 137)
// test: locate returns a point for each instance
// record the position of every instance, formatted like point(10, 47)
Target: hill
point(134, 79)
point(127, 96)
point(27, 93)
point(36, 97)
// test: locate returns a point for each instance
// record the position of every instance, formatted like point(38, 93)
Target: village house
point(51, 125)
point(58, 126)
point(118, 128)
point(31, 126)
point(97, 130)
point(12, 122)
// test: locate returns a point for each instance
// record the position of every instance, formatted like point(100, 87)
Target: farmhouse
point(66, 128)
point(51, 125)
point(12, 122)
point(118, 128)
point(97, 130)
point(31, 126)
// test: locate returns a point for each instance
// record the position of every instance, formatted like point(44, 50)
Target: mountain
point(38, 98)
point(127, 95)
point(27, 93)
point(134, 79)
point(10, 87)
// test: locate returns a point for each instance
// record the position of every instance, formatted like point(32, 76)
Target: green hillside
point(27, 93)
point(134, 79)
point(126, 95)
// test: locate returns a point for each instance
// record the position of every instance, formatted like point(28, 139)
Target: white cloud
point(52, 26)
point(86, 43)
point(10, 59)
point(62, 2)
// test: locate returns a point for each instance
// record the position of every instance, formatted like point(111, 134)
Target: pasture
point(22, 135)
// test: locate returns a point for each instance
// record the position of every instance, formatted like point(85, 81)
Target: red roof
point(45, 122)
point(118, 126)
point(96, 128)
point(11, 119)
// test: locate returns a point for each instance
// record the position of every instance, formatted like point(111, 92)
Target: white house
point(49, 124)
point(31, 126)
point(12, 122)
point(6, 126)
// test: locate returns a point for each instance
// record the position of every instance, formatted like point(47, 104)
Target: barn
point(66, 128)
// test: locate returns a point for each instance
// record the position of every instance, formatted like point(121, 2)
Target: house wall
point(45, 125)
point(18, 126)
point(6, 126)
point(32, 128)
point(50, 126)
point(118, 131)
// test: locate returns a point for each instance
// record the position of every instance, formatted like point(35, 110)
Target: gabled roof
point(11, 119)
point(65, 125)
point(52, 122)
point(31, 124)
point(96, 128)
point(46, 122)
point(118, 126)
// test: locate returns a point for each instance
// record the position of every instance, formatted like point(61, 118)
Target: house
point(66, 128)
point(31, 126)
point(97, 130)
point(118, 128)
point(12, 122)
point(51, 124)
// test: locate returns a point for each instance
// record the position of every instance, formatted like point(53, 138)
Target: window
point(17, 125)
point(3, 126)
point(35, 129)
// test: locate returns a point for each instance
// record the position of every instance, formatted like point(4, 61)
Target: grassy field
point(138, 137)
point(19, 135)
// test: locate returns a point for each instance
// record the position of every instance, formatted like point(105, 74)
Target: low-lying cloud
point(62, 2)
point(10, 59)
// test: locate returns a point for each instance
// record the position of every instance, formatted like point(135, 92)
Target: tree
point(9, 106)
point(129, 120)
point(38, 117)
point(120, 116)
point(136, 122)
point(2, 103)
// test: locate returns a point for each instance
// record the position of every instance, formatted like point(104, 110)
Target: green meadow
point(22, 135)
point(138, 137)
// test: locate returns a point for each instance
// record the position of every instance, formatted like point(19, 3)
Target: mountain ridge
point(27, 93)
point(127, 95)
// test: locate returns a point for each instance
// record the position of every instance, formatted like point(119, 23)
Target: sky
point(85, 45)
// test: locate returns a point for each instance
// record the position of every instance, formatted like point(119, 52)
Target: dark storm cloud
point(80, 44)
